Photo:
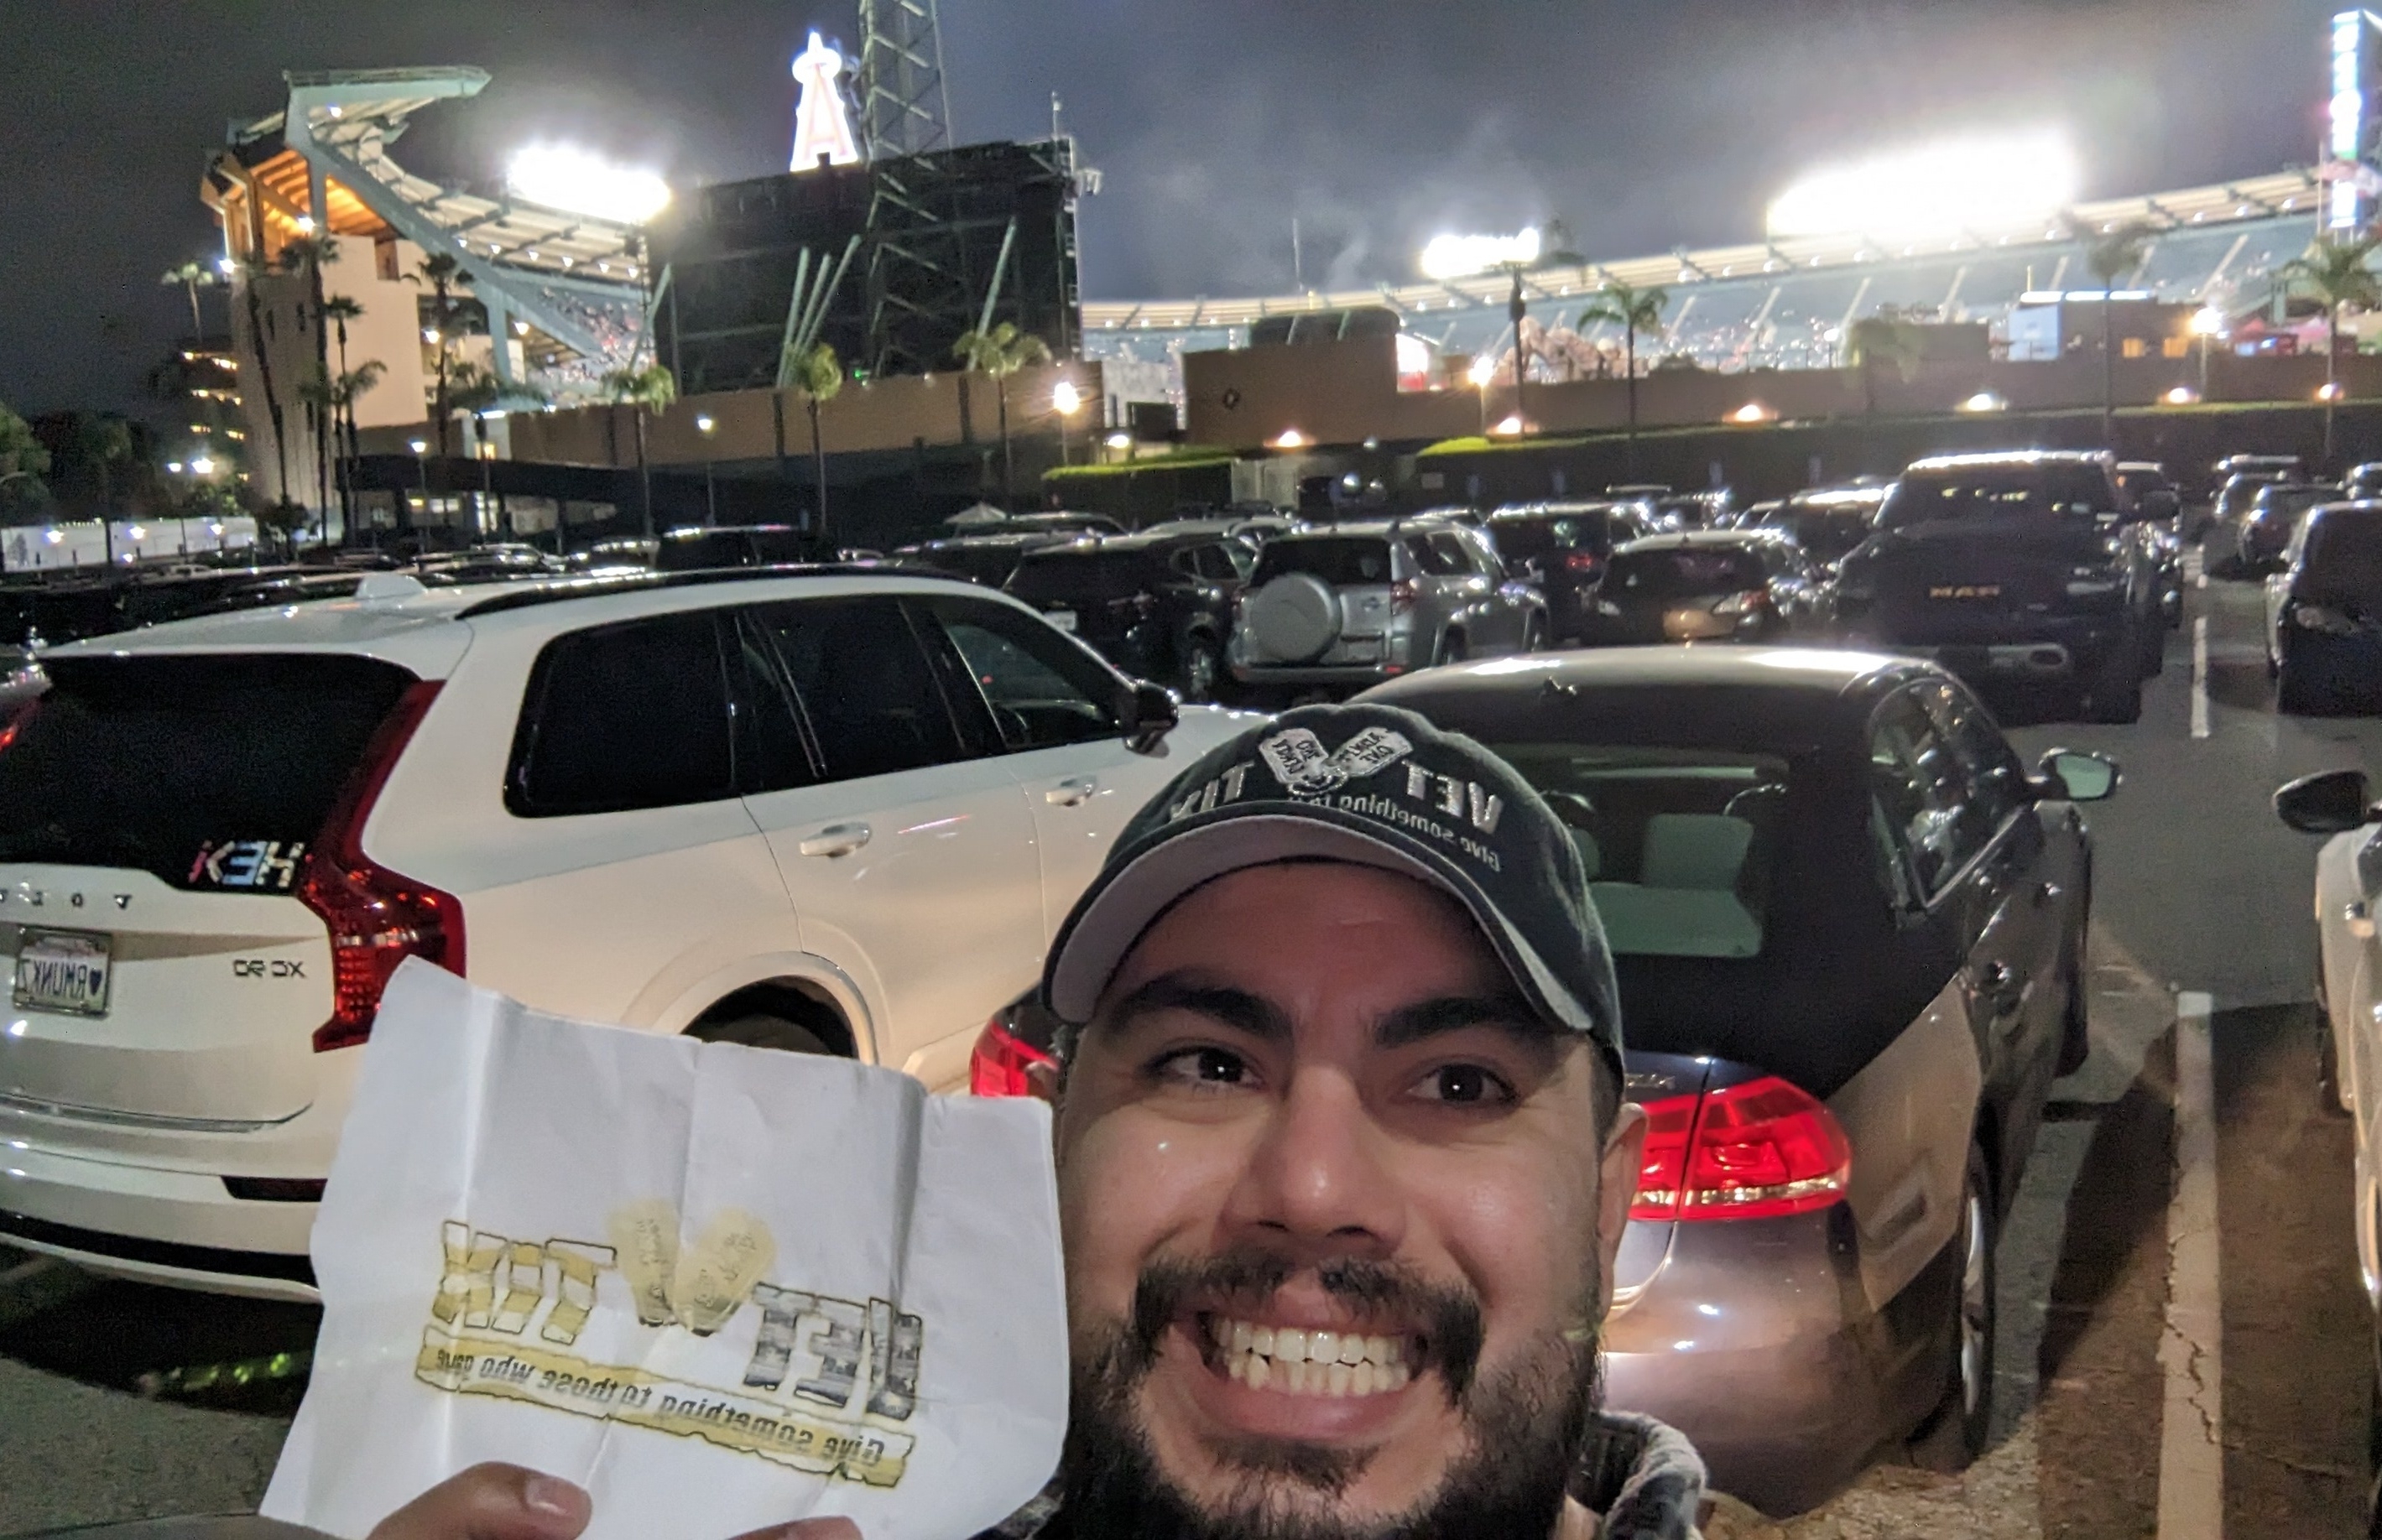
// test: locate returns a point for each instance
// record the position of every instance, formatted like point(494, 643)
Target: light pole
point(1484, 368)
point(707, 425)
point(1516, 309)
point(2208, 324)
point(1066, 400)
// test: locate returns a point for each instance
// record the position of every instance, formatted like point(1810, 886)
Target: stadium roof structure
point(1785, 303)
point(575, 278)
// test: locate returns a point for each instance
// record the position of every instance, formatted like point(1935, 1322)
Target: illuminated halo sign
point(822, 125)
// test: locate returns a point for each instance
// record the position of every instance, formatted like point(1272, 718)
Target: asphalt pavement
point(2184, 1343)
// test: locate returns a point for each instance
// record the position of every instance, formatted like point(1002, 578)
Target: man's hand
point(505, 1502)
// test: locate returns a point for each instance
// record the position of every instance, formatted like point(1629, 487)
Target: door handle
point(836, 839)
point(2044, 892)
point(1075, 791)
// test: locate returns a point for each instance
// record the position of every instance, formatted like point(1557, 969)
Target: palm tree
point(482, 394)
point(1875, 339)
point(1634, 311)
point(442, 273)
point(2335, 274)
point(2110, 256)
point(817, 376)
point(652, 388)
point(253, 272)
point(998, 353)
point(193, 276)
point(337, 310)
point(307, 255)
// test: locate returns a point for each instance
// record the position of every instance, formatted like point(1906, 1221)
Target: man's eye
point(1203, 1068)
point(1463, 1085)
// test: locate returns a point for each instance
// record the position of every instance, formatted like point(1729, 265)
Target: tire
point(1954, 1434)
point(761, 1031)
point(1452, 650)
point(2294, 696)
point(2115, 694)
point(1534, 635)
point(1197, 671)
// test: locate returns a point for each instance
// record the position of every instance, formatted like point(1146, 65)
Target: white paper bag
point(719, 1286)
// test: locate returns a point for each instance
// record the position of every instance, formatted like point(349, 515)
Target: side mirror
point(1148, 713)
point(2326, 803)
point(2071, 777)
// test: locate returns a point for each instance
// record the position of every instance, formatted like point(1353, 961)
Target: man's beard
point(1525, 1423)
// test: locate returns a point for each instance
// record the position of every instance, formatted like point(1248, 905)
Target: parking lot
point(2108, 1425)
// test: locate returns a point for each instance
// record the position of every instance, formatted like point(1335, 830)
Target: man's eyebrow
point(1234, 1008)
point(1506, 1013)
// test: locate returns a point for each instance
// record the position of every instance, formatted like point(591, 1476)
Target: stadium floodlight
point(577, 182)
point(1936, 191)
point(1463, 256)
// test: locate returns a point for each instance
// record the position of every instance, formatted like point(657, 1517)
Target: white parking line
point(2199, 675)
point(2195, 568)
point(2191, 1430)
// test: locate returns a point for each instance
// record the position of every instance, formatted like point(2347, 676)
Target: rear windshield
point(208, 773)
point(1679, 845)
point(1080, 575)
point(2344, 557)
point(1826, 533)
point(2014, 492)
point(1342, 561)
point(1524, 538)
point(2291, 502)
point(1679, 573)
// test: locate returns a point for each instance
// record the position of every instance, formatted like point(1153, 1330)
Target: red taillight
point(1758, 1151)
point(1006, 1065)
point(1583, 561)
point(12, 724)
point(377, 918)
point(1403, 595)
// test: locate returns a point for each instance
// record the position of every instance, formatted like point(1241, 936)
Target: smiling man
point(1342, 1165)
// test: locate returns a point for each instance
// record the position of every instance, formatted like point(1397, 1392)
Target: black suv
point(1564, 547)
point(1158, 606)
point(2022, 566)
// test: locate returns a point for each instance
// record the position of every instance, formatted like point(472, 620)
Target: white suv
point(837, 812)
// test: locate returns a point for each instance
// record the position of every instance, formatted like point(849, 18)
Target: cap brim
point(1132, 898)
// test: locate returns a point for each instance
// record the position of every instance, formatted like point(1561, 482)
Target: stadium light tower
point(904, 108)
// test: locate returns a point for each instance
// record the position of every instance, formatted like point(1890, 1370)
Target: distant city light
point(225, 266)
point(1752, 411)
point(1935, 190)
point(2181, 396)
point(1291, 438)
point(1510, 427)
point(1484, 370)
point(2208, 321)
point(203, 465)
point(1065, 399)
point(2330, 391)
point(1985, 401)
point(704, 423)
point(420, 446)
point(174, 466)
point(1120, 440)
point(576, 182)
point(1462, 256)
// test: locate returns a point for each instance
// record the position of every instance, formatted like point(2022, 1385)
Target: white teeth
point(1336, 1379)
point(1323, 1346)
point(1381, 1349)
point(1242, 1335)
point(1300, 1362)
point(1289, 1345)
point(1260, 1373)
point(1352, 1350)
point(1238, 1367)
point(1261, 1340)
point(1397, 1373)
point(1360, 1380)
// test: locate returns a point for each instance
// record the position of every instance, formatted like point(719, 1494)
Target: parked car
point(2018, 568)
point(606, 554)
point(1159, 607)
point(1565, 546)
point(1710, 585)
point(2324, 613)
point(2273, 518)
point(2220, 537)
point(1827, 521)
point(2363, 482)
point(2349, 994)
point(1849, 928)
point(988, 559)
point(840, 812)
point(1345, 606)
point(717, 546)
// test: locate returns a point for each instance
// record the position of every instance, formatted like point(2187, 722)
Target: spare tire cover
point(1293, 618)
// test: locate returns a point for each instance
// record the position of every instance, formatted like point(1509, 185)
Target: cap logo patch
point(1305, 768)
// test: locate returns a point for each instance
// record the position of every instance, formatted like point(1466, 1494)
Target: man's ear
point(1616, 1189)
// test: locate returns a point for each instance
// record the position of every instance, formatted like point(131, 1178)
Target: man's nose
point(1321, 1172)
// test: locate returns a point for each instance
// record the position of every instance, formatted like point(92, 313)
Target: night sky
point(1644, 124)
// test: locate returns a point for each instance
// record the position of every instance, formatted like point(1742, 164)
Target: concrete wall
point(1346, 392)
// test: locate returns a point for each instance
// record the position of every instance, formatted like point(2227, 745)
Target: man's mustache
point(1247, 1278)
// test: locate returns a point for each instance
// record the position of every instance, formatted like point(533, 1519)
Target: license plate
point(1062, 618)
point(1965, 591)
point(64, 973)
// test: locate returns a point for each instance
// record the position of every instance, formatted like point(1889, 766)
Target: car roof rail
point(530, 595)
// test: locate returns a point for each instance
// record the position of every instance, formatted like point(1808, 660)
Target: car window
point(1339, 561)
point(864, 683)
point(1451, 556)
point(1920, 784)
point(626, 716)
point(1997, 781)
point(1042, 687)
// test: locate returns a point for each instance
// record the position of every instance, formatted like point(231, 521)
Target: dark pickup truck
point(2024, 567)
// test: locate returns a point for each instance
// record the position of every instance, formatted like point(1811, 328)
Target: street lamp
point(1066, 400)
point(2208, 324)
point(706, 424)
point(1484, 368)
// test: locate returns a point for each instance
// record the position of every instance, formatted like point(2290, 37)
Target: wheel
point(1199, 670)
point(761, 1031)
point(1954, 1436)
point(2334, 1091)
point(2115, 694)
point(1451, 649)
point(2296, 694)
point(1534, 635)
